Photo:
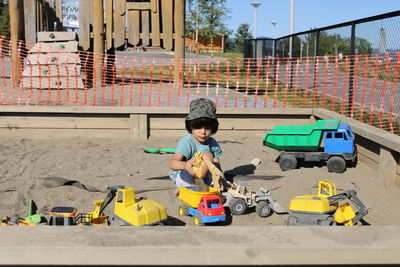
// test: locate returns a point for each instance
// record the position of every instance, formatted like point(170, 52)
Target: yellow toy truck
point(204, 207)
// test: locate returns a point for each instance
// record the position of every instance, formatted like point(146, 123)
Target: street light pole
point(273, 29)
point(255, 5)
point(291, 27)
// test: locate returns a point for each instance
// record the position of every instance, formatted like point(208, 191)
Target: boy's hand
point(189, 164)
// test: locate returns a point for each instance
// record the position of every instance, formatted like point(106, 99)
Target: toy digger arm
point(352, 196)
point(111, 191)
point(215, 172)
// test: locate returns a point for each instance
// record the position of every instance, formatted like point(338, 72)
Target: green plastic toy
point(159, 151)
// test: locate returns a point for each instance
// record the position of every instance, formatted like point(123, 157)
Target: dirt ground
point(48, 172)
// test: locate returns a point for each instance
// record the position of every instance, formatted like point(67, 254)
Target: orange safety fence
point(363, 87)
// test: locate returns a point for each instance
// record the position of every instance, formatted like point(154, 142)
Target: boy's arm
point(178, 163)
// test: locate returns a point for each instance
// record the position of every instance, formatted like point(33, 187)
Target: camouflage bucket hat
point(201, 108)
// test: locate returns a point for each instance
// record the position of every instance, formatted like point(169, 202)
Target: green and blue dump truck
point(327, 141)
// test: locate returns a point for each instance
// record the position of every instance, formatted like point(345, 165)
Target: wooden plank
point(59, 14)
point(139, 127)
point(167, 23)
point(143, 127)
point(388, 166)
point(61, 122)
point(262, 124)
point(121, 7)
point(56, 36)
point(59, 70)
point(138, 6)
point(53, 58)
point(109, 24)
point(52, 82)
point(155, 24)
point(119, 24)
point(221, 135)
point(71, 46)
point(145, 28)
point(134, 27)
point(30, 21)
point(65, 133)
point(84, 24)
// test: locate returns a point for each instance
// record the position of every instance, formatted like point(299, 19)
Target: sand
point(76, 171)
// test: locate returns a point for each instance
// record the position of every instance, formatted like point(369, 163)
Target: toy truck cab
point(210, 210)
point(339, 141)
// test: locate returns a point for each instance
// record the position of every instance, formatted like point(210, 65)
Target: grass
point(223, 55)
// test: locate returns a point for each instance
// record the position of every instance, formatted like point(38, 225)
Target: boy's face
point(202, 134)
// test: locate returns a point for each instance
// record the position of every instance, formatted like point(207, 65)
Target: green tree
point(4, 19)
point(241, 34)
point(207, 16)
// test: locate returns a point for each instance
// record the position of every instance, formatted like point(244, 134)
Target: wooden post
point(179, 51)
point(98, 40)
point(16, 20)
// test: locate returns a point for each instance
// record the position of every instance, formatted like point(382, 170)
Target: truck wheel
point(183, 210)
point(328, 222)
point(287, 162)
point(237, 206)
point(197, 220)
point(263, 209)
point(336, 164)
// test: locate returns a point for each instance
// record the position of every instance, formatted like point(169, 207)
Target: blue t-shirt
point(187, 147)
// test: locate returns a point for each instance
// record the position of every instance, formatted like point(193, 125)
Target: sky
point(308, 14)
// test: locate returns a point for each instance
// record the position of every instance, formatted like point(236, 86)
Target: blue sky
point(308, 14)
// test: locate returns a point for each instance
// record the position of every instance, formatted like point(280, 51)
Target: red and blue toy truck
point(325, 141)
point(204, 207)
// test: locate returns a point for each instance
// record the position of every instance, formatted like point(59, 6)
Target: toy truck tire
point(336, 164)
point(328, 222)
point(263, 209)
point(237, 206)
point(197, 220)
point(183, 210)
point(287, 162)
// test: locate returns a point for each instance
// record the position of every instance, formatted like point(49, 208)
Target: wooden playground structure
point(103, 25)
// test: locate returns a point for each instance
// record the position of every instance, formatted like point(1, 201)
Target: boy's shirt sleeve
point(183, 147)
point(216, 148)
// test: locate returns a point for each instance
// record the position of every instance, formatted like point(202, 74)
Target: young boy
point(201, 123)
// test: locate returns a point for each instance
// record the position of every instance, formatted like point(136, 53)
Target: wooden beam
point(145, 27)
point(119, 24)
point(167, 19)
point(84, 25)
point(179, 38)
point(16, 20)
point(388, 166)
point(30, 21)
point(98, 40)
point(109, 24)
point(133, 27)
point(138, 6)
point(155, 23)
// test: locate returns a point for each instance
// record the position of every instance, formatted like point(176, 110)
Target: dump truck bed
point(299, 137)
point(192, 197)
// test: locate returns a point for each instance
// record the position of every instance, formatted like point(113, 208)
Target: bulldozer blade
point(278, 208)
